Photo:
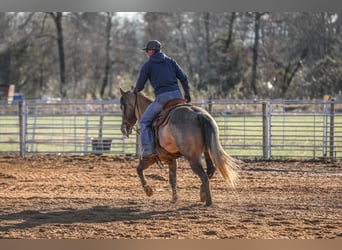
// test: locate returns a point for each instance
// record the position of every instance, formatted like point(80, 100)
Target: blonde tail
point(227, 165)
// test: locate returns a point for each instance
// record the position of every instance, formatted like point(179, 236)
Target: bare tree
point(57, 17)
point(257, 18)
point(225, 54)
point(108, 35)
point(229, 40)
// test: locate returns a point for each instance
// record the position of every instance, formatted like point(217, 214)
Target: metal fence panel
point(9, 128)
point(279, 129)
point(248, 128)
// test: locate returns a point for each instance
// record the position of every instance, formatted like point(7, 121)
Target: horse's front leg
point(144, 164)
point(173, 179)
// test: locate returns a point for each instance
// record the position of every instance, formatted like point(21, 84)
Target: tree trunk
point(5, 65)
point(255, 52)
point(207, 35)
point(108, 59)
point(57, 17)
point(230, 32)
point(291, 71)
point(5, 52)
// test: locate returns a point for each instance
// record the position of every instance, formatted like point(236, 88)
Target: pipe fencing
point(249, 129)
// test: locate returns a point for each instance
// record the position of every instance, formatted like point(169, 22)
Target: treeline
point(226, 55)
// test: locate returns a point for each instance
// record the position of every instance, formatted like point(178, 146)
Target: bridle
point(130, 124)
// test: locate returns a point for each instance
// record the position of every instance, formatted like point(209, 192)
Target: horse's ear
point(121, 91)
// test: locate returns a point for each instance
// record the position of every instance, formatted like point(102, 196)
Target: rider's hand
point(187, 98)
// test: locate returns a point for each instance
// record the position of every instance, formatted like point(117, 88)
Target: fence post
point(266, 129)
point(332, 127)
point(325, 129)
point(101, 122)
point(86, 126)
point(22, 128)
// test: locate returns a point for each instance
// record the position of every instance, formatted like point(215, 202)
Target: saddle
point(162, 118)
point(160, 121)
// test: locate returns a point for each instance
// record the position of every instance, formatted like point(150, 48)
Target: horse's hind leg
point(173, 179)
point(210, 165)
point(197, 167)
point(144, 164)
point(210, 172)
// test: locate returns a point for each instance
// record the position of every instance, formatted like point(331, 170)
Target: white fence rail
point(274, 129)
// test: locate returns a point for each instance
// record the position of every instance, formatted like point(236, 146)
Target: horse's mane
point(145, 96)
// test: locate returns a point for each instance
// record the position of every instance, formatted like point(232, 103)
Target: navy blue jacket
point(163, 72)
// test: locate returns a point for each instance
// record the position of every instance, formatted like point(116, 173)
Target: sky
point(129, 15)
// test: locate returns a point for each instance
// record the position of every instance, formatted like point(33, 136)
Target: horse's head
point(128, 103)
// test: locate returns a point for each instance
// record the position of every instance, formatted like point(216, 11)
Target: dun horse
point(187, 131)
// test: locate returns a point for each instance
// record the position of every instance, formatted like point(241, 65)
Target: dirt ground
point(100, 197)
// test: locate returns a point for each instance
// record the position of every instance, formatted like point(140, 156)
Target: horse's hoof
point(203, 194)
point(174, 200)
point(148, 191)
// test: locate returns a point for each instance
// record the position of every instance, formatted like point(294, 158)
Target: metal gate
point(253, 129)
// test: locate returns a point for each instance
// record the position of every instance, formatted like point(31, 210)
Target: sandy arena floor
point(101, 197)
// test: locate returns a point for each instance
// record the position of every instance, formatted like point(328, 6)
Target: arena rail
point(249, 129)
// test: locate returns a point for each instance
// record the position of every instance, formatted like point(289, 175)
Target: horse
point(188, 131)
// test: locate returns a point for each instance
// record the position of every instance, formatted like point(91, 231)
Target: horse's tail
point(227, 165)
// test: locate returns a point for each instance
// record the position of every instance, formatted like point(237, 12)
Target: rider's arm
point(142, 79)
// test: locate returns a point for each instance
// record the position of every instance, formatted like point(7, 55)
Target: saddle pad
point(161, 118)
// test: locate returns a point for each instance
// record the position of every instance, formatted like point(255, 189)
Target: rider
point(162, 72)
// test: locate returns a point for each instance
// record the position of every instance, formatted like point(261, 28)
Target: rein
point(136, 113)
point(136, 107)
point(130, 125)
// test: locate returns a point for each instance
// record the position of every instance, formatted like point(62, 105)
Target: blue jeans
point(146, 134)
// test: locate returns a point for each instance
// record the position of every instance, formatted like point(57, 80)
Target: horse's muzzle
point(126, 130)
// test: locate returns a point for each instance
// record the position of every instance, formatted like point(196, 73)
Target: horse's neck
point(142, 103)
